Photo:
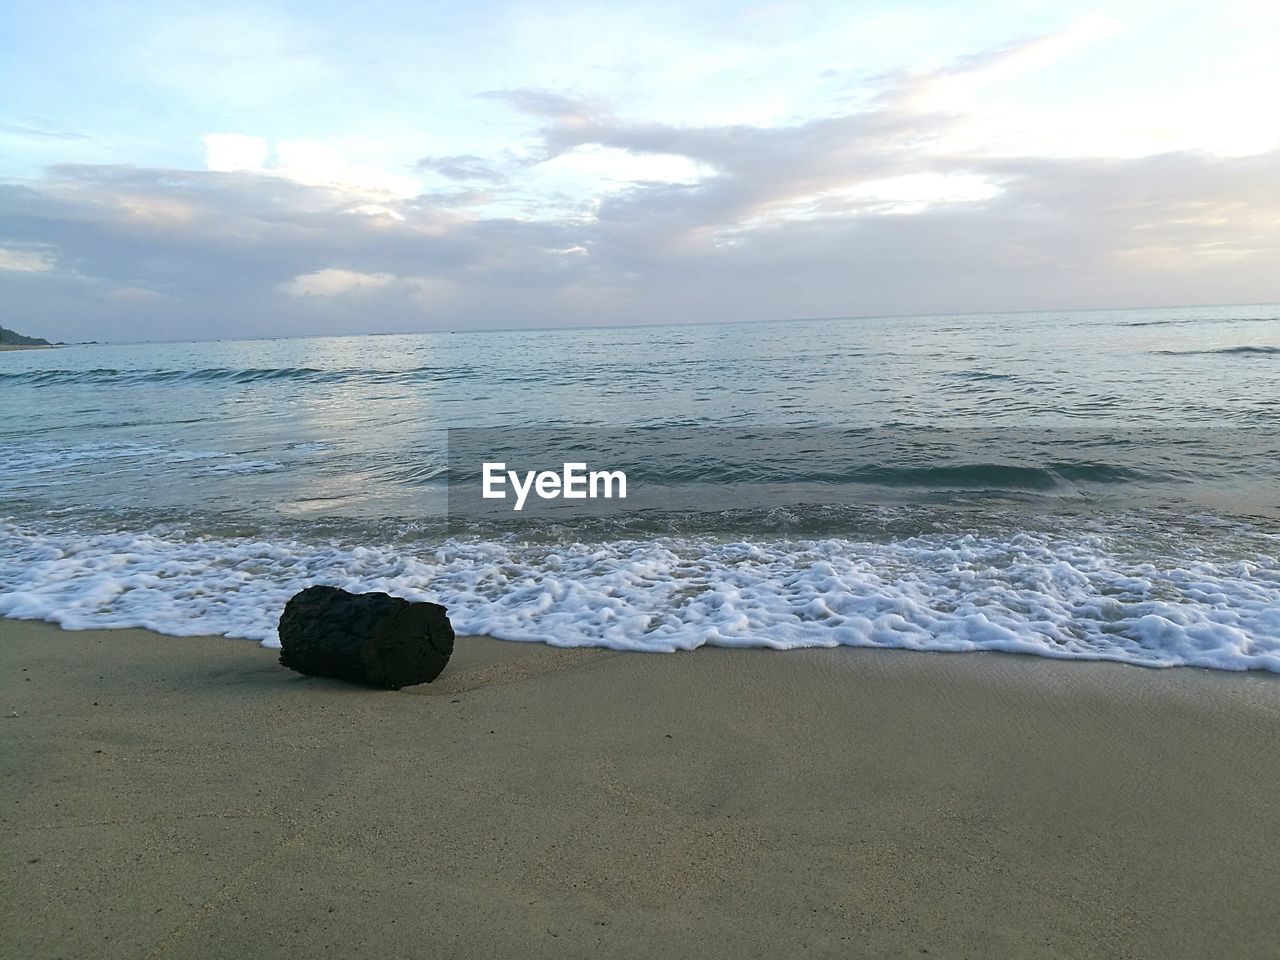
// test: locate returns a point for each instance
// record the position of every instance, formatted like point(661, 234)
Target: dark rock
point(370, 638)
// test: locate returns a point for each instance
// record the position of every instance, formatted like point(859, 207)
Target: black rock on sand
point(370, 638)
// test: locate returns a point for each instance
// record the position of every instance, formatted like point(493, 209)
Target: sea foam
point(1073, 597)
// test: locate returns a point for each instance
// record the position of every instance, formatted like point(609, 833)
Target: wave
point(24, 464)
point(1245, 349)
point(108, 376)
point(995, 476)
point(1079, 597)
point(1180, 321)
point(980, 376)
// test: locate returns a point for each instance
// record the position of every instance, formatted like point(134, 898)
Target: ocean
point(1089, 485)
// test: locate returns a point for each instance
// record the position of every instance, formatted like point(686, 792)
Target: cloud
point(874, 210)
point(316, 165)
point(463, 167)
point(563, 110)
point(304, 161)
point(26, 261)
point(230, 152)
point(333, 281)
point(607, 165)
point(1005, 63)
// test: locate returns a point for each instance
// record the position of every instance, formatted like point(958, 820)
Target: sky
point(185, 171)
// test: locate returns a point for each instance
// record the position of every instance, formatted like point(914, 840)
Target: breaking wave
point(1070, 597)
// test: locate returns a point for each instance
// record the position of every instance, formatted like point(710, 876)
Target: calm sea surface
point(1096, 484)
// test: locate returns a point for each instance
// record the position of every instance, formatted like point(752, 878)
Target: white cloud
point(379, 211)
point(915, 192)
point(621, 166)
point(333, 281)
point(316, 165)
point(26, 261)
point(1021, 59)
point(592, 170)
point(232, 152)
point(307, 162)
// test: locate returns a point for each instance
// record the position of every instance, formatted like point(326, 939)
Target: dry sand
point(189, 798)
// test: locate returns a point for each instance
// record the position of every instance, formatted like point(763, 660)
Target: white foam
point(1059, 597)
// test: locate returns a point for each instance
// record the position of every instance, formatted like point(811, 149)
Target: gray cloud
point(463, 167)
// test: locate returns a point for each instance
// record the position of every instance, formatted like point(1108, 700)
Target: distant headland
point(11, 340)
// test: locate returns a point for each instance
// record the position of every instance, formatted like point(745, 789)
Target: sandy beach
point(172, 797)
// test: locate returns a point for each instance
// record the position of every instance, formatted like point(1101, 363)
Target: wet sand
point(171, 797)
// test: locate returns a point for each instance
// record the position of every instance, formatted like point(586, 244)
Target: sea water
point(1097, 485)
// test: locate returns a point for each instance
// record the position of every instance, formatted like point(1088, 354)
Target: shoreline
point(190, 797)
